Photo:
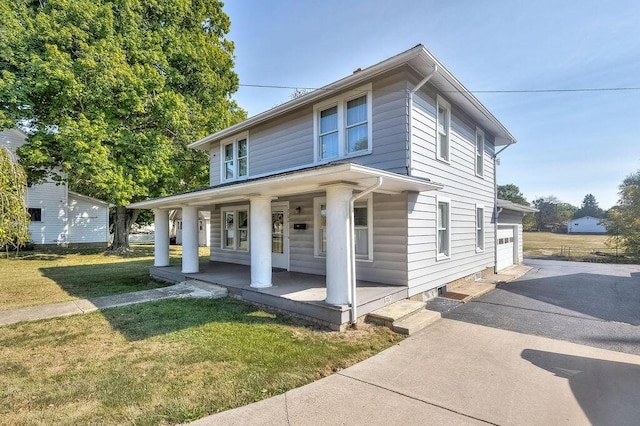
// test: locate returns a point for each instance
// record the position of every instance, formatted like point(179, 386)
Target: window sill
point(358, 259)
point(344, 157)
point(443, 160)
point(442, 257)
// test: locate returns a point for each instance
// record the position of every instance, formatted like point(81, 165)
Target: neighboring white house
point(204, 227)
point(59, 216)
point(586, 225)
point(385, 176)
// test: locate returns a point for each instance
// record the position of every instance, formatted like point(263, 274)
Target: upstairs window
point(443, 129)
point(479, 152)
point(235, 156)
point(342, 125)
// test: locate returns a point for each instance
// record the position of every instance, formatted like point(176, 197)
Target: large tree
point(624, 219)
point(552, 213)
point(511, 192)
point(589, 207)
point(113, 90)
point(14, 219)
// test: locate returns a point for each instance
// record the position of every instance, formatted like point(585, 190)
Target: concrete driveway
point(587, 303)
point(461, 372)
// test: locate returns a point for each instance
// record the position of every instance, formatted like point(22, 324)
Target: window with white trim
point(479, 152)
point(479, 228)
point(362, 224)
point(235, 228)
point(235, 157)
point(444, 228)
point(443, 129)
point(342, 125)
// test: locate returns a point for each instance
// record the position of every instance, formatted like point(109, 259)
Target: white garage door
point(505, 247)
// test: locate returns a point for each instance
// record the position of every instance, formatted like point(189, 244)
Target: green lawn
point(165, 362)
point(41, 277)
point(156, 363)
point(573, 246)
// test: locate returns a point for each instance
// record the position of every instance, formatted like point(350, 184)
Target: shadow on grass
point(146, 320)
point(103, 279)
point(57, 253)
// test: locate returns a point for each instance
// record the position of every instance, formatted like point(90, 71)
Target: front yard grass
point(41, 277)
point(165, 362)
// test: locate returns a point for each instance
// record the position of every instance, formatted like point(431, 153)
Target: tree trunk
point(122, 225)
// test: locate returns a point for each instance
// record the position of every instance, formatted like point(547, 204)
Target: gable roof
point(418, 58)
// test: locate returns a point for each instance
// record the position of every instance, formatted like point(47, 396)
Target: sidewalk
point(192, 288)
point(459, 373)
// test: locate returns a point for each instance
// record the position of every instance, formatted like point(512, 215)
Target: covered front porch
point(249, 234)
point(292, 292)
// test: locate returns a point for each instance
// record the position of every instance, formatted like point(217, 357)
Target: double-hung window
point(444, 228)
point(479, 228)
point(235, 156)
point(443, 129)
point(342, 125)
point(362, 229)
point(235, 228)
point(479, 152)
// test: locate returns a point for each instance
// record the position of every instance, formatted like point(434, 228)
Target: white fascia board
point(88, 198)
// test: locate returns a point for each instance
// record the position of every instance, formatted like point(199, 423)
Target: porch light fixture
point(298, 210)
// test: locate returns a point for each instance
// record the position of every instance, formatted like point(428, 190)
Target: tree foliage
point(624, 219)
point(14, 219)
point(589, 207)
point(511, 192)
point(114, 90)
point(552, 213)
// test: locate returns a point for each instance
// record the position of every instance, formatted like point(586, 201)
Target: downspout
point(411, 93)
point(352, 201)
point(496, 212)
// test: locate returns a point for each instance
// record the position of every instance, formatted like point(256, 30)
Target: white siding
point(52, 199)
point(461, 186)
point(88, 220)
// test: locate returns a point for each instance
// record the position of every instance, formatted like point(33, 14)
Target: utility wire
point(585, 89)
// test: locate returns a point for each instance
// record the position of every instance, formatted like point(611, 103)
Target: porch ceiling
point(291, 183)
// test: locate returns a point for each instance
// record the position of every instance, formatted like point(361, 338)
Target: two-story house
point(385, 177)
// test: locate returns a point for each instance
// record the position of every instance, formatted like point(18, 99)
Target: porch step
point(416, 322)
point(404, 317)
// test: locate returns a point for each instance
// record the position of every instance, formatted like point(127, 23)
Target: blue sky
point(569, 144)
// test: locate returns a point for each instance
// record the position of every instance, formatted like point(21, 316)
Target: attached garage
point(506, 255)
point(509, 233)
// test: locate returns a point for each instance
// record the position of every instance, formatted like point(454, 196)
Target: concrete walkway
point(192, 288)
point(465, 290)
point(459, 373)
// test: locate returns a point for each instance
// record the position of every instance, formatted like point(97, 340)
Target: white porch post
point(260, 222)
point(190, 240)
point(338, 249)
point(161, 237)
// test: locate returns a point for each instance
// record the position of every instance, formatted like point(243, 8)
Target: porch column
point(338, 247)
point(161, 237)
point(190, 240)
point(260, 228)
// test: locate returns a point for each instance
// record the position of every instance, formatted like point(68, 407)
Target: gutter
point(411, 93)
point(496, 212)
point(352, 200)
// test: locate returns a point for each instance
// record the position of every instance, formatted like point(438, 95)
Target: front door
point(280, 235)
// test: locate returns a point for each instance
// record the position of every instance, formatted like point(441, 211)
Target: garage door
point(505, 247)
